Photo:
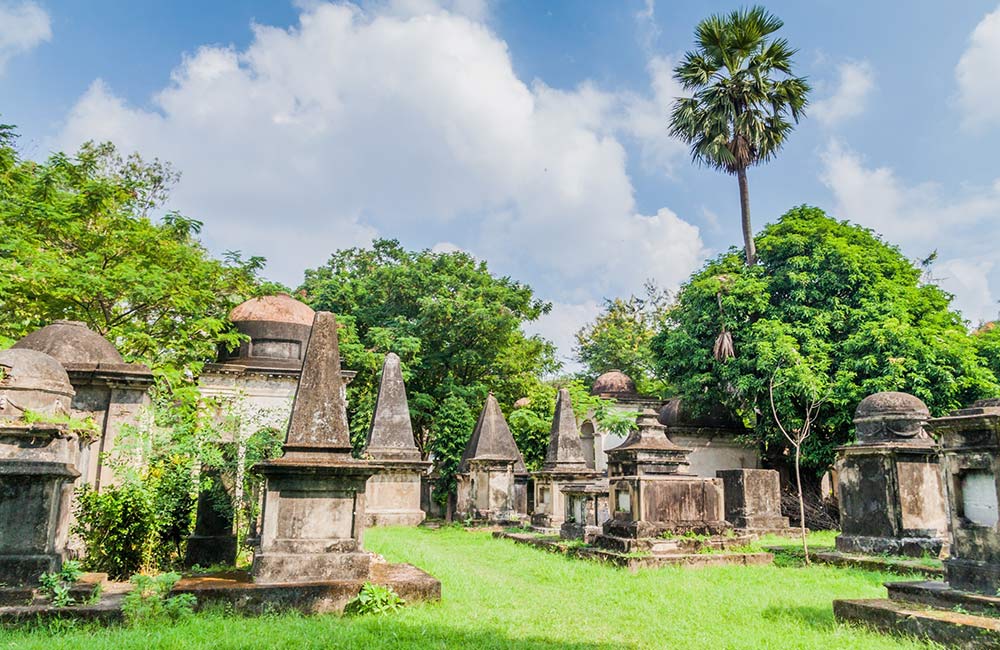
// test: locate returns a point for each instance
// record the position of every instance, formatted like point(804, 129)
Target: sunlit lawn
point(501, 595)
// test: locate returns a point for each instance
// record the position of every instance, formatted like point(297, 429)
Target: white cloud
point(961, 224)
point(23, 26)
point(855, 81)
point(645, 22)
point(410, 125)
point(561, 325)
point(976, 74)
point(969, 281)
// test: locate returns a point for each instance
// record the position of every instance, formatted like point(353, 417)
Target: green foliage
point(987, 340)
point(150, 600)
point(85, 428)
point(738, 115)
point(79, 242)
point(118, 527)
point(455, 326)
point(453, 425)
point(532, 424)
point(620, 338)
point(374, 599)
point(837, 313)
point(56, 585)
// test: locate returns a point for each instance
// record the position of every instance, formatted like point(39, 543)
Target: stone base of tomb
point(573, 530)
point(903, 546)
point(346, 561)
point(238, 591)
point(928, 610)
point(971, 575)
point(641, 536)
point(210, 550)
point(392, 496)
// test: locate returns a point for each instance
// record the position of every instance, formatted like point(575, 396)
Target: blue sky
point(530, 134)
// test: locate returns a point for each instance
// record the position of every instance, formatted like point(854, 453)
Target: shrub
point(118, 528)
point(374, 599)
point(150, 600)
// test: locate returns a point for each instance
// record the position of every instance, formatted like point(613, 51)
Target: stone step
point(940, 595)
point(947, 627)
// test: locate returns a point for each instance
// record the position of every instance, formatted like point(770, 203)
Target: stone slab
point(941, 595)
point(238, 591)
point(947, 627)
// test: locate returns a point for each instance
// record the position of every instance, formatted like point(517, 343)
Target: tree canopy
point(620, 338)
point(832, 314)
point(79, 243)
point(455, 326)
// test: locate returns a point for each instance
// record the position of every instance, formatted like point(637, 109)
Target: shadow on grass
point(818, 618)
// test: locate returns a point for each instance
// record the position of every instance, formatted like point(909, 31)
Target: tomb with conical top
point(564, 464)
point(393, 493)
point(492, 478)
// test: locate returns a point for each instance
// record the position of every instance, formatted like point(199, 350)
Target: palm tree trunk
point(748, 243)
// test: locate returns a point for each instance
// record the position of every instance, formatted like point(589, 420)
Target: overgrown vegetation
point(56, 585)
point(374, 599)
point(500, 595)
point(150, 600)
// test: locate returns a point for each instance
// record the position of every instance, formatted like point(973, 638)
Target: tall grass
point(500, 595)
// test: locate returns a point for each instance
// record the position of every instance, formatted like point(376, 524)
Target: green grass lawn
point(500, 595)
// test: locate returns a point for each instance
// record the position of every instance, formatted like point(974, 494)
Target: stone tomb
point(37, 466)
point(491, 475)
point(107, 390)
point(564, 464)
point(965, 610)
point(310, 556)
point(393, 493)
point(586, 510)
point(891, 492)
point(651, 499)
point(753, 500)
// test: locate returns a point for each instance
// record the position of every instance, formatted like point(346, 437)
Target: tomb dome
point(522, 403)
point(278, 329)
point(71, 343)
point(614, 383)
point(888, 415)
point(673, 414)
point(279, 308)
point(32, 381)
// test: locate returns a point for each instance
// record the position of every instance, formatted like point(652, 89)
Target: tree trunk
point(802, 502)
point(748, 243)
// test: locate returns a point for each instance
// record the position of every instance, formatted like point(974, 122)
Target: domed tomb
point(36, 466)
point(889, 416)
point(674, 414)
point(614, 383)
point(32, 381)
point(72, 343)
point(890, 482)
point(278, 327)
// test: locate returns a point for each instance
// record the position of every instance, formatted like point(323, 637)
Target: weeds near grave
point(374, 599)
point(150, 600)
point(56, 585)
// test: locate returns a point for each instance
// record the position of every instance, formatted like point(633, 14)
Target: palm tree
point(738, 114)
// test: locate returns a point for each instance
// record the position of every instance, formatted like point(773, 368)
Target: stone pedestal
point(213, 541)
point(37, 467)
point(890, 486)
point(586, 510)
point(486, 491)
point(753, 500)
point(648, 496)
point(393, 495)
point(970, 446)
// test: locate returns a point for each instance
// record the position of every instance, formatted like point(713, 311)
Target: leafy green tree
point(620, 338)
point(987, 340)
point(744, 95)
point(455, 326)
point(79, 242)
point(837, 313)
